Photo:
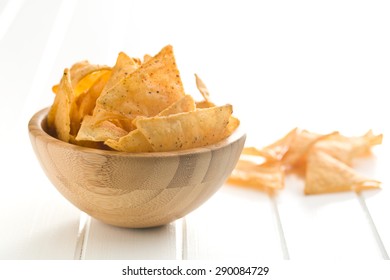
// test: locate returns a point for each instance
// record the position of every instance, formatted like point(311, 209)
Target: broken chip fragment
point(267, 176)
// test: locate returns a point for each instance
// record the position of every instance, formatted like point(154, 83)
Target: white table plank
point(327, 227)
point(106, 242)
point(378, 202)
point(235, 223)
point(38, 222)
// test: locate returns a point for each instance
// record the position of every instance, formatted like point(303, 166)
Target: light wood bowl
point(134, 190)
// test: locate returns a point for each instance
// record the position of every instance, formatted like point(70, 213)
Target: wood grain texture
point(134, 190)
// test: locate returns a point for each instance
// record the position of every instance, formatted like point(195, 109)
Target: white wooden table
point(322, 67)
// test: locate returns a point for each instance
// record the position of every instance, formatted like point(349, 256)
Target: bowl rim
point(35, 128)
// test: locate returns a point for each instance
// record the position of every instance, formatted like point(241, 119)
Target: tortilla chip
point(184, 104)
point(124, 66)
point(88, 81)
point(232, 125)
point(275, 151)
point(84, 103)
point(148, 90)
point(100, 131)
point(202, 88)
point(58, 119)
point(204, 104)
point(89, 144)
point(147, 57)
point(268, 176)
point(153, 87)
point(134, 142)
point(347, 149)
point(80, 70)
point(326, 174)
point(295, 157)
point(186, 130)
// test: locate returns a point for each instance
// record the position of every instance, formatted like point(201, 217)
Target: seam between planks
point(282, 238)
point(181, 239)
point(371, 223)
point(82, 236)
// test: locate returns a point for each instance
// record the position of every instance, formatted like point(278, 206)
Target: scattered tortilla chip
point(325, 174)
point(347, 149)
point(324, 159)
point(275, 151)
point(295, 157)
point(268, 176)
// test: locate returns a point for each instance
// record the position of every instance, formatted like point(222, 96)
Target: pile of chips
point(324, 160)
point(135, 106)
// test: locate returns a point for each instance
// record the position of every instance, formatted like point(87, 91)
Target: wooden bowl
point(134, 190)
